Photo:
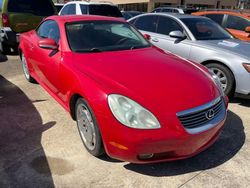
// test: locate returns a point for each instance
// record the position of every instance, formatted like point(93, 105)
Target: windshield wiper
point(95, 50)
point(138, 47)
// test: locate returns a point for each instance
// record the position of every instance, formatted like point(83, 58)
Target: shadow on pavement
point(21, 128)
point(241, 101)
point(229, 143)
point(3, 58)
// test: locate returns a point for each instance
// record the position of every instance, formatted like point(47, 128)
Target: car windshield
point(99, 36)
point(105, 10)
point(206, 29)
point(37, 7)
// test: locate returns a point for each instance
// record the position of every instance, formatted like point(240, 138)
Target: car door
point(47, 61)
point(237, 25)
point(162, 39)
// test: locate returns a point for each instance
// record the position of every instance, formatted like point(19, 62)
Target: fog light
point(146, 156)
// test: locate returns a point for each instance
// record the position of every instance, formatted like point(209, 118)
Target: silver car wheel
point(86, 126)
point(25, 68)
point(222, 77)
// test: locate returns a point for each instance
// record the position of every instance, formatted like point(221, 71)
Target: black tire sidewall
point(98, 150)
point(230, 77)
point(30, 79)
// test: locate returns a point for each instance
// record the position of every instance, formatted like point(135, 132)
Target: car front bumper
point(164, 144)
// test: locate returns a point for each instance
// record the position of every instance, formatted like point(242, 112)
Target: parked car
point(59, 6)
point(201, 40)
point(128, 97)
point(169, 10)
point(130, 14)
point(18, 16)
point(91, 7)
point(180, 10)
point(237, 23)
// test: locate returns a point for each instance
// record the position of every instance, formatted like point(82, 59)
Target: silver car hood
point(232, 46)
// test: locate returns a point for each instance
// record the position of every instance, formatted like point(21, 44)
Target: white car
point(93, 8)
point(168, 10)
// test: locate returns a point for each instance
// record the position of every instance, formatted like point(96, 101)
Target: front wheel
point(88, 128)
point(225, 76)
point(26, 70)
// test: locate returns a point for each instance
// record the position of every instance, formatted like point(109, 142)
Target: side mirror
point(247, 30)
point(147, 36)
point(48, 43)
point(177, 35)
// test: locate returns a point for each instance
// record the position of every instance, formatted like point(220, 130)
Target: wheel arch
point(223, 64)
point(218, 62)
point(20, 53)
point(72, 103)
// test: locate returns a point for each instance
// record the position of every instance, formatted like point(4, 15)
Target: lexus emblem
point(210, 114)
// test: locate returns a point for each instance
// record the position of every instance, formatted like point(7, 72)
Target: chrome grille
point(212, 112)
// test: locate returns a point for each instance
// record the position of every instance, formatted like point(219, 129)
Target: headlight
point(246, 66)
point(131, 114)
point(217, 81)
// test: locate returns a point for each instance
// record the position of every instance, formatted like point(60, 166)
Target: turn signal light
point(247, 67)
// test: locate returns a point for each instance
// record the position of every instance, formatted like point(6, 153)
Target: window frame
point(226, 19)
point(36, 31)
point(223, 21)
point(68, 6)
point(147, 16)
point(178, 22)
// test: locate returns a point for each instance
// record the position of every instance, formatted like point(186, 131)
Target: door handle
point(155, 40)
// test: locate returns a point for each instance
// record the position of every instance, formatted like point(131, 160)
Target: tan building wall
point(151, 3)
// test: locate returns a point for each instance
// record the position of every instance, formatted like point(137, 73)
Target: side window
point(49, 29)
point(146, 23)
point(64, 10)
point(238, 23)
point(157, 10)
point(166, 25)
point(72, 9)
point(167, 10)
point(84, 9)
point(218, 18)
point(69, 9)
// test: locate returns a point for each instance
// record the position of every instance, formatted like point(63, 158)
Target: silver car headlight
point(217, 81)
point(131, 114)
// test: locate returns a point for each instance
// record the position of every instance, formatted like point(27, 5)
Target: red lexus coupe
point(130, 99)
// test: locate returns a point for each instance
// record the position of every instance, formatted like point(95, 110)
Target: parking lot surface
point(40, 147)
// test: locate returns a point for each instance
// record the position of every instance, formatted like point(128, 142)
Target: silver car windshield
point(205, 29)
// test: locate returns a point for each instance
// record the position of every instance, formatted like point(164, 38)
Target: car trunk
point(22, 22)
point(25, 15)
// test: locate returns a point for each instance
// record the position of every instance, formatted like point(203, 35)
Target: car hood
point(234, 46)
point(151, 77)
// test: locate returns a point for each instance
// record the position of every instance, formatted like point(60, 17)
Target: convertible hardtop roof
point(78, 18)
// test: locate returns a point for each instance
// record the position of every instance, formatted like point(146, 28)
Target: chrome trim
point(208, 124)
point(199, 108)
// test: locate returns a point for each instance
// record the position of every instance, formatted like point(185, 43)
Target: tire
point(26, 69)
point(226, 77)
point(88, 128)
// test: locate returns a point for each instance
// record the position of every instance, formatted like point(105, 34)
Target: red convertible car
point(130, 99)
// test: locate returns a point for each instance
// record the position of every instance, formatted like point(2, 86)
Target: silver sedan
point(201, 40)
